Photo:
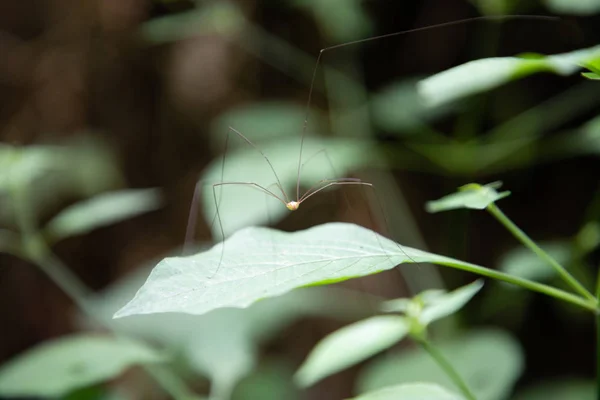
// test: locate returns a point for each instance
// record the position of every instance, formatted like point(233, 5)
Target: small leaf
point(490, 362)
point(351, 345)
point(241, 206)
point(102, 210)
point(473, 196)
point(449, 303)
point(591, 75)
point(411, 391)
point(579, 7)
point(488, 73)
point(59, 366)
point(259, 262)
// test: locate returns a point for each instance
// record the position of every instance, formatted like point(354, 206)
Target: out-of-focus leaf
point(397, 108)
point(208, 344)
point(495, 7)
point(257, 263)
point(260, 121)
point(559, 390)
point(490, 362)
point(488, 73)
point(351, 345)
point(411, 391)
point(450, 303)
point(272, 380)
point(241, 206)
point(473, 196)
point(579, 7)
point(221, 17)
point(341, 20)
point(59, 366)
point(102, 210)
point(524, 263)
point(79, 167)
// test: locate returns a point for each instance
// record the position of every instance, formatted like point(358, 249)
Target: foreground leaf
point(488, 73)
point(448, 304)
point(473, 196)
point(411, 391)
point(59, 366)
point(259, 262)
point(351, 345)
point(209, 345)
point(241, 206)
point(490, 362)
point(102, 210)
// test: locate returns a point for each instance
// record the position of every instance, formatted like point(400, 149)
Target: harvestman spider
point(294, 204)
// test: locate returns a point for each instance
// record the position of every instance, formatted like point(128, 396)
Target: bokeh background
point(140, 94)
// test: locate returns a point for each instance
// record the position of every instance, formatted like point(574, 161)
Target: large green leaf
point(488, 73)
point(241, 206)
point(208, 344)
point(351, 345)
point(59, 366)
point(490, 361)
point(102, 210)
point(411, 391)
point(473, 196)
point(257, 263)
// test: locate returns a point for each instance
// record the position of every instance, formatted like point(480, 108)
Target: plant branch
point(447, 367)
point(526, 240)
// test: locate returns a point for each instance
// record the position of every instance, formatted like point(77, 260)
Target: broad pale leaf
point(488, 73)
point(102, 210)
point(59, 366)
point(411, 391)
point(449, 303)
point(473, 196)
point(257, 263)
point(351, 345)
point(208, 343)
point(241, 205)
point(490, 362)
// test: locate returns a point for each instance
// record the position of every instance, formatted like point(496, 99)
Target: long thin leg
point(279, 185)
point(218, 215)
point(332, 182)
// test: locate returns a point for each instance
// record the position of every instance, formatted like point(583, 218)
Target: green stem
point(447, 367)
point(526, 240)
point(524, 283)
point(37, 251)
